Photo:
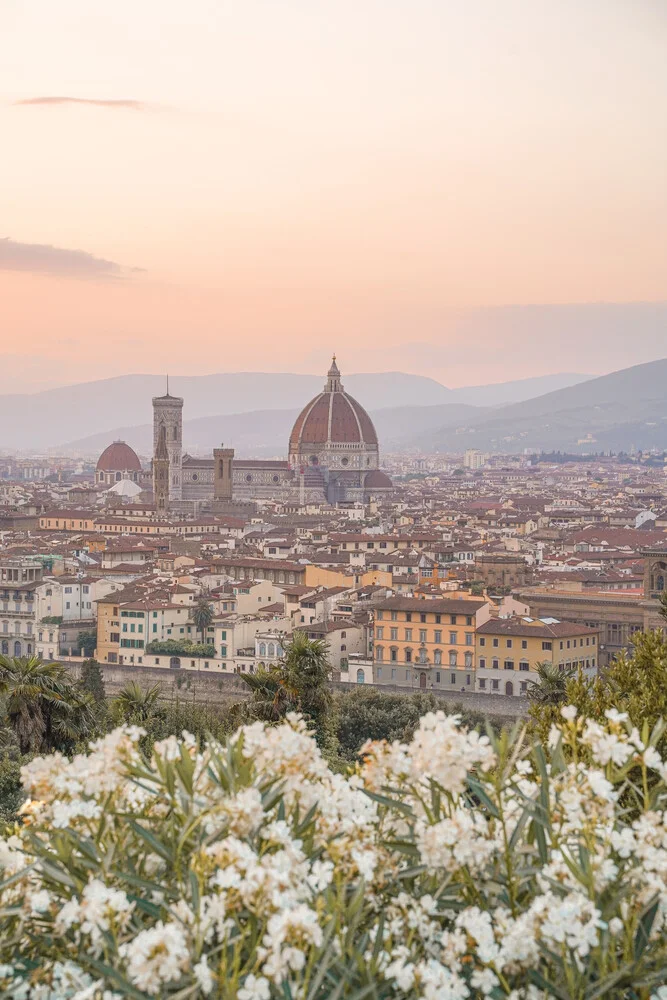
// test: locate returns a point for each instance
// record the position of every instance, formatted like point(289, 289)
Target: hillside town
point(453, 574)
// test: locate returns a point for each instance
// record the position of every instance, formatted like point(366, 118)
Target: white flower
point(254, 988)
point(203, 975)
point(615, 716)
point(156, 956)
point(40, 901)
point(485, 980)
point(569, 713)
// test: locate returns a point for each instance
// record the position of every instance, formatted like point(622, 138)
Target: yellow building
point(426, 643)
point(506, 647)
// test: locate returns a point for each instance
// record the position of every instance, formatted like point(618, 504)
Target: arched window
point(660, 583)
point(379, 653)
point(28, 649)
point(468, 659)
point(408, 656)
point(437, 657)
point(279, 649)
point(17, 648)
point(361, 677)
point(118, 477)
point(271, 649)
point(5, 647)
point(453, 657)
point(262, 649)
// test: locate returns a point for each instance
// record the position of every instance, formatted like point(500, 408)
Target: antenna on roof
point(167, 385)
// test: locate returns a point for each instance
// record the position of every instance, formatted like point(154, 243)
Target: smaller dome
point(377, 480)
point(125, 488)
point(118, 457)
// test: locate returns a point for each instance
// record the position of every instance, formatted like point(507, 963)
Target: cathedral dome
point(118, 457)
point(332, 418)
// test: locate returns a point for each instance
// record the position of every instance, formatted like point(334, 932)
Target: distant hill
point(627, 407)
point(264, 433)
point(504, 393)
point(90, 414)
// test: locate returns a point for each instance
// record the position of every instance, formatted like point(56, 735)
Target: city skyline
point(398, 181)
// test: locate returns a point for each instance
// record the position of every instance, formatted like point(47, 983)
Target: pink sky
point(253, 184)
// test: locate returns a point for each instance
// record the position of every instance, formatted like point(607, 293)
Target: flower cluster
point(455, 866)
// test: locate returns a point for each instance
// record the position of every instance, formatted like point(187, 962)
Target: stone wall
point(218, 688)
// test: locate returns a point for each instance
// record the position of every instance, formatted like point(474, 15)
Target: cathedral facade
point(333, 455)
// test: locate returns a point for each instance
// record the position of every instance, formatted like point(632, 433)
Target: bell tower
point(223, 463)
point(168, 414)
point(161, 474)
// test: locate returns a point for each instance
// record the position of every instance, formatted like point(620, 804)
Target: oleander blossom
point(453, 866)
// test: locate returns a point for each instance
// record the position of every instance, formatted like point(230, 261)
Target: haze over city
point(474, 191)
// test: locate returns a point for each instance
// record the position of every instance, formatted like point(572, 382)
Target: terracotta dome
point(332, 417)
point(377, 480)
point(118, 457)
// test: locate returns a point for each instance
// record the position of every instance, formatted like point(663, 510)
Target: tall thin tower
point(168, 414)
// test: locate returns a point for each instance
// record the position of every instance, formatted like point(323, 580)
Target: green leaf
point(384, 800)
point(643, 932)
point(478, 790)
point(151, 840)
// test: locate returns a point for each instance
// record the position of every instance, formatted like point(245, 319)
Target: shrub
point(183, 647)
point(455, 866)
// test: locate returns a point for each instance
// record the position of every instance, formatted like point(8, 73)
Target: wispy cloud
point(96, 102)
point(41, 258)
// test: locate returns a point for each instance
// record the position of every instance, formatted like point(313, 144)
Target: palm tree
point(202, 616)
point(550, 687)
point(300, 683)
point(43, 706)
point(136, 703)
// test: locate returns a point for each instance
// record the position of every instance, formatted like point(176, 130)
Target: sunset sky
point(470, 189)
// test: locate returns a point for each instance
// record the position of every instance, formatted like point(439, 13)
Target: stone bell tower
point(223, 464)
point(168, 414)
point(161, 474)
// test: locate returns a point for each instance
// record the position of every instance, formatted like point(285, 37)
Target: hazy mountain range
point(254, 412)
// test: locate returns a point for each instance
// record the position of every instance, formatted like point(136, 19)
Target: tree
point(663, 605)
point(300, 683)
point(45, 709)
point(136, 704)
point(368, 714)
point(202, 616)
point(550, 688)
point(92, 681)
point(87, 641)
point(635, 684)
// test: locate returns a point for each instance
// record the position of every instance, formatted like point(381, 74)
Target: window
point(453, 658)
point(343, 635)
point(437, 677)
point(482, 683)
point(524, 665)
point(408, 616)
point(467, 660)
point(452, 638)
point(438, 619)
point(394, 616)
point(508, 643)
point(495, 664)
point(393, 654)
point(437, 657)
point(524, 644)
point(482, 640)
point(422, 635)
point(452, 678)
point(379, 653)
point(547, 645)
point(494, 685)
point(509, 665)
point(393, 673)
point(469, 638)
point(408, 656)
point(408, 635)
point(380, 615)
point(67, 605)
point(495, 642)
point(481, 663)
point(452, 619)
point(223, 652)
point(393, 633)
point(468, 679)
point(422, 618)
point(437, 636)
point(468, 619)
point(379, 632)
point(407, 675)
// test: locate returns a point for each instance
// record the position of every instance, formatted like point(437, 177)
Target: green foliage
point(52, 620)
point(92, 681)
point(550, 688)
point(181, 647)
point(368, 714)
point(135, 704)
point(636, 684)
point(43, 706)
point(86, 640)
point(202, 616)
point(300, 683)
